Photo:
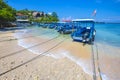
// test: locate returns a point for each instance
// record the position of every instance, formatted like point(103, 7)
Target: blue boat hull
point(84, 35)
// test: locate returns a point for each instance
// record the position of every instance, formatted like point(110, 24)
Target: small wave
point(62, 54)
point(104, 77)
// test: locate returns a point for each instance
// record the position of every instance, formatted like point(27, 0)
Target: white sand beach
point(52, 59)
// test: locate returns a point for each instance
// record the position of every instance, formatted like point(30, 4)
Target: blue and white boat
point(45, 25)
point(52, 25)
point(66, 28)
point(59, 25)
point(85, 30)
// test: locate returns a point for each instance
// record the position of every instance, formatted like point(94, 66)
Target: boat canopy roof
point(83, 20)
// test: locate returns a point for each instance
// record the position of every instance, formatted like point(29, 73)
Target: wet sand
point(59, 58)
point(109, 61)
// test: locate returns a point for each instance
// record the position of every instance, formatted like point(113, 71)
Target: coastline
point(62, 62)
point(109, 59)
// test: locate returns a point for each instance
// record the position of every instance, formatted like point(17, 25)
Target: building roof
point(36, 13)
point(19, 14)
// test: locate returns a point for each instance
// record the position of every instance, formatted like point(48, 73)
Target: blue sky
point(107, 10)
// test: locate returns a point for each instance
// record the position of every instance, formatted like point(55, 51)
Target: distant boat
point(85, 30)
point(52, 25)
point(45, 25)
point(66, 28)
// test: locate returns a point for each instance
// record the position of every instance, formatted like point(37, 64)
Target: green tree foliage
point(54, 17)
point(54, 14)
point(48, 18)
point(7, 13)
point(42, 19)
point(25, 12)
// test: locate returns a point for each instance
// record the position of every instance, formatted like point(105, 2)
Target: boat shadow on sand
point(84, 43)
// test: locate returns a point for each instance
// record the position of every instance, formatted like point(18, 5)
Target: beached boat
point(66, 28)
point(45, 25)
point(58, 25)
point(52, 25)
point(85, 31)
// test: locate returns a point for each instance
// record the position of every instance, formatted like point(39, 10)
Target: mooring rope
point(93, 64)
point(98, 62)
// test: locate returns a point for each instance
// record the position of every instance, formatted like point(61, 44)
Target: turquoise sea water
point(108, 33)
point(108, 44)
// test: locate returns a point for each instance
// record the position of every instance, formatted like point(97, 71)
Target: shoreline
point(109, 58)
point(72, 53)
point(64, 62)
point(59, 52)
